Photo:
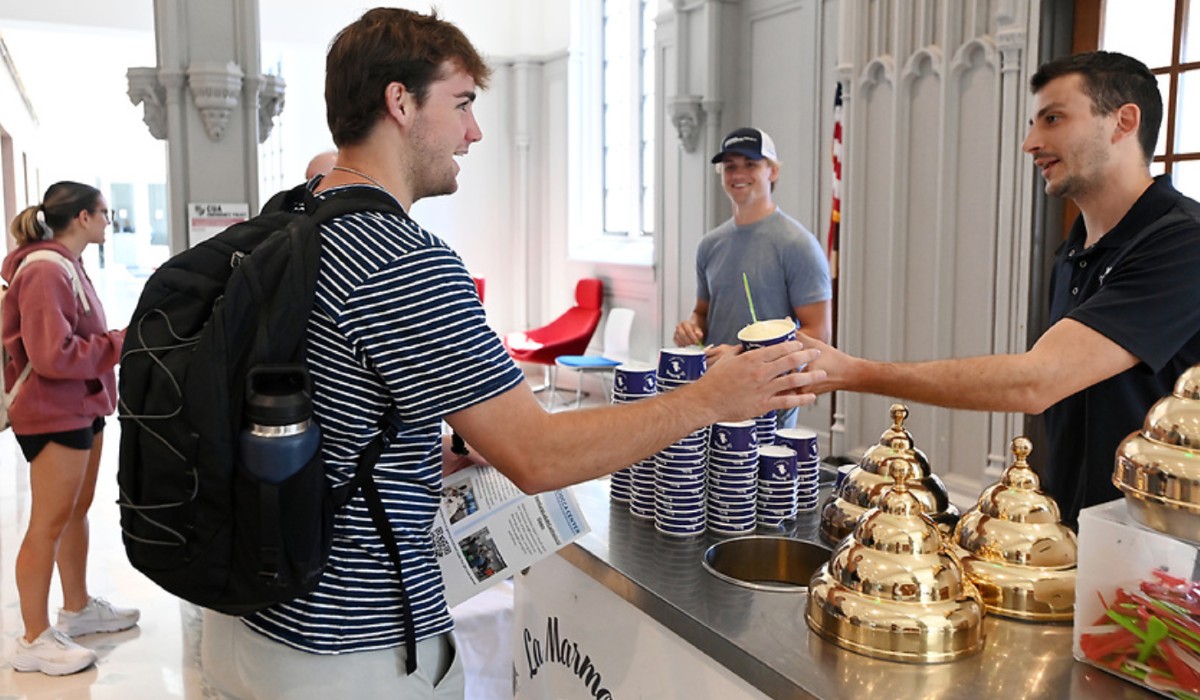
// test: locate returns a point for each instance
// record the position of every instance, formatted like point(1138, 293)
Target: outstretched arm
point(542, 451)
point(1068, 358)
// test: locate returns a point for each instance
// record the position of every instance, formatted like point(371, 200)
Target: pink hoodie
point(73, 353)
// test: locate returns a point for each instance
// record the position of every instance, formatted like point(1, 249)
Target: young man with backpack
point(397, 326)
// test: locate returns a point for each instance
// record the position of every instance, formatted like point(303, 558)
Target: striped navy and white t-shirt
point(396, 321)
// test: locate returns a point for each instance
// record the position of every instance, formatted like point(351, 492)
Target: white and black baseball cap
point(747, 141)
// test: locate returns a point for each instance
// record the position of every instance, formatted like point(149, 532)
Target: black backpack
point(192, 518)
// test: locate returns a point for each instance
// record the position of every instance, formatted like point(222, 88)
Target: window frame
point(638, 115)
point(1173, 72)
point(588, 239)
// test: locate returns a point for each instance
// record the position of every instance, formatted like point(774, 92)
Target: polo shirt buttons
point(1082, 263)
point(1074, 291)
point(1071, 253)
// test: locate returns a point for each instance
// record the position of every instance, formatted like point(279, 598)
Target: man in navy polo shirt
point(1124, 311)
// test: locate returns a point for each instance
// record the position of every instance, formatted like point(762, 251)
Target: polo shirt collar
point(1159, 197)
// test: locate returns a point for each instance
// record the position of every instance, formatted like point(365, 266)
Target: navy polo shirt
point(1139, 286)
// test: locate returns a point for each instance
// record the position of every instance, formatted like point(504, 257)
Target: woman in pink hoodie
point(52, 321)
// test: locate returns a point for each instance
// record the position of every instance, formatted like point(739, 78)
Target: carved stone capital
point(1011, 39)
point(1011, 43)
point(270, 104)
point(215, 89)
point(146, 90)
point(687, 116)
point(173, 79)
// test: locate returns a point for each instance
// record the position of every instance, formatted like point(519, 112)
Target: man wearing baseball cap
point(783, 262)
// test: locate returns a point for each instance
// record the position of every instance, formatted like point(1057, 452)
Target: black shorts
point(81, 439)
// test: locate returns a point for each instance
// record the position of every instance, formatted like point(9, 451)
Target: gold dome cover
point(1158, 467)
point(866, 483)
point(1015, 549)
point(893, 589)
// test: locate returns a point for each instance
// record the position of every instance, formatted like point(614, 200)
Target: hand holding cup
point(751, 383)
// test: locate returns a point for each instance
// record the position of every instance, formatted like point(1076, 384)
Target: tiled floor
point(153, 660)
point(157, 659)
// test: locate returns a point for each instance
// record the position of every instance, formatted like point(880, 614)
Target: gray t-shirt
point(782, 260)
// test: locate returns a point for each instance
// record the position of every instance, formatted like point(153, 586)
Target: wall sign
point(207, 220)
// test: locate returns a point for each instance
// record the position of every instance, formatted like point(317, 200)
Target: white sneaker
point(98, 615)
point(53, 653)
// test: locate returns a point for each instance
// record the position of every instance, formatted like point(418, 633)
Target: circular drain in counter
point(779, 564)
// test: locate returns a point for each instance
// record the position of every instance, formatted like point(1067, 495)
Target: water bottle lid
point(278, 395)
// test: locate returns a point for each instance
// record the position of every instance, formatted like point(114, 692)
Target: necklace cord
point(363, 175)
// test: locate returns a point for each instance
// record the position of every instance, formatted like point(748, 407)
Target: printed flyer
point(487, 529)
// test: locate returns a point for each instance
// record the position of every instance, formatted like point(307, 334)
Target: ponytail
point(61, 204)
point(27, 227)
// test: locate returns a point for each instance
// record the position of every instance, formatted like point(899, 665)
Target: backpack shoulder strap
point(45, 256)
point(334, 204)
point(361, 199)
point(364, 480)
point(54, 256)
point(11, 394)
point(285, 200)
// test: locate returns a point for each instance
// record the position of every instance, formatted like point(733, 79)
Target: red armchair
point(569, 334)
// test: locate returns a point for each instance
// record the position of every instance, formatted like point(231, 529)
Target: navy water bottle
point(281, 436)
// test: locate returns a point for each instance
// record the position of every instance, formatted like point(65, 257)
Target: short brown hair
point(1110, 80)
point(389, 45)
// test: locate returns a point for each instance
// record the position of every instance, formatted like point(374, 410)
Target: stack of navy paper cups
point(632, 381)
point(776, 485)
point(808, 461)
point(732, 478)
point(680, 469)
point(764, 426)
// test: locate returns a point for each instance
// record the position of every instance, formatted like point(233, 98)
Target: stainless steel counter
point(762, 636)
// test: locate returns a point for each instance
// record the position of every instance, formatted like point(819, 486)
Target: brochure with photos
point(487, 529)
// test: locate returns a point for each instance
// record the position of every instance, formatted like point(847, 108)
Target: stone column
point(208, 100)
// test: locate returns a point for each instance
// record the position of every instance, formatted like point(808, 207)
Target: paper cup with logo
point(635, 379)
point(773, 331)
point(802, 440)
point(776, 463)
point(684, 364)
point(733, 436)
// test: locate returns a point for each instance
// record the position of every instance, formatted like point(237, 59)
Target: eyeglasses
point(106, 213)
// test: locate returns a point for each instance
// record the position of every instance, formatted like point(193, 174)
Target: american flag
point(835, 217)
